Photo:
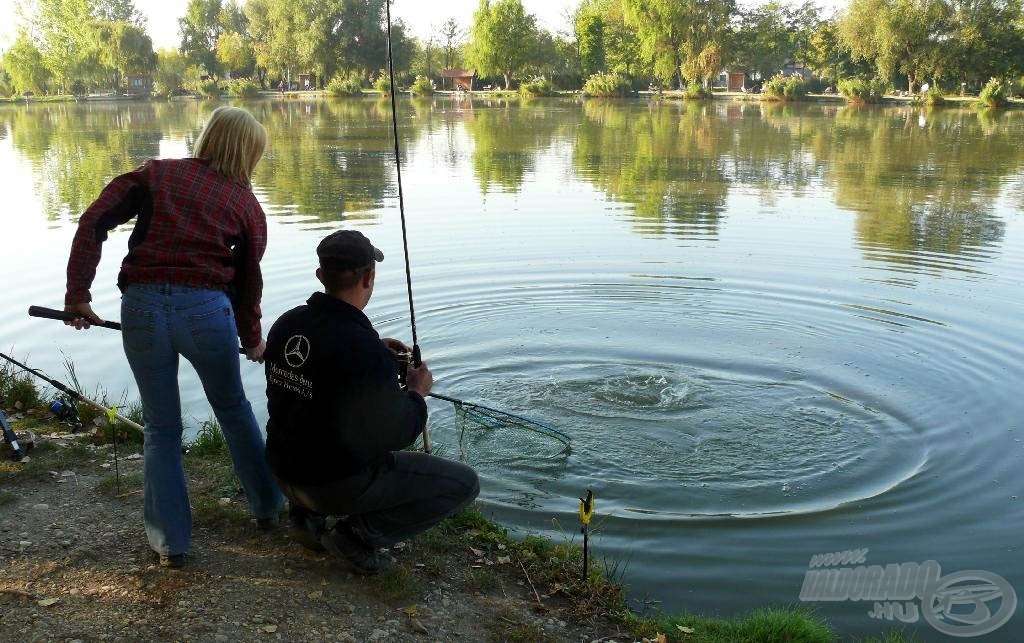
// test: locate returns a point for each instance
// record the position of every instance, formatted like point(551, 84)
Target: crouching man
point(339, 419)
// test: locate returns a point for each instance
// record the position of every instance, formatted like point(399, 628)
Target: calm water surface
point(771, 331)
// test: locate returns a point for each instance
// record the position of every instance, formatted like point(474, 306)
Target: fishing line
point(416, 359)
point(512, 428)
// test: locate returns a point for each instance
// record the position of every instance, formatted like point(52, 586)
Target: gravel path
point(75, 566)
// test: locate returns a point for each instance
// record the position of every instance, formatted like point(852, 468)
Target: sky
point(419, 15)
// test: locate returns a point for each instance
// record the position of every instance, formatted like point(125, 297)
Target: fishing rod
point(62, 315)
point(11, 438)
point(73, 394)
point(416, 357)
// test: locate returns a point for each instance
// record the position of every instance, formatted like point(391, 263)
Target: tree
point(235, 54)
point(588, 26)
point(64, 37)
point(985, 39)
point(200, 28)
point(451, 42)
point(672, 32)
point(773, 34)
point(122, 48)
point(503, 38)
point(899, 36)
point(118, 11)
point(169, 76)
point(23, 62)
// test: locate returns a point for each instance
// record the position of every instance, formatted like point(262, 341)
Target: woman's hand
point(255, 354)
point(85, 317)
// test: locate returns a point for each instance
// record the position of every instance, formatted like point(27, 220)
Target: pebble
point(41, 507)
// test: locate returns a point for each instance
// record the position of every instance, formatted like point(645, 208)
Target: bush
point(349, 85)
point(78, 88)
point(994, 93)
point(607, 86)
point(383, 83)
point(244, 88)
point(209, 89)
point(780, 87)
point(696, 91)
point(537, 87)
point(858, 90)
point(422, 86)
point(933, 97)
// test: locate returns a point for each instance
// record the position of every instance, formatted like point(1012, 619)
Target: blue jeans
point(159, 323)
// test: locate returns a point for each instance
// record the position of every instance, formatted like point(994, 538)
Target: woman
point(199, 236)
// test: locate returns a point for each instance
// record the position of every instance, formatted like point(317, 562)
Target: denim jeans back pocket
point(213, 330)
point(138, 328)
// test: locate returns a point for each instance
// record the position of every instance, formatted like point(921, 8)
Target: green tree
point(504, 38)
point(118, 11)
point(899, 36)
point(23, 63)
point(621, 43)
point(170, 73)
point(829, 57)
point(235, 54)
point(984, 39)
point(64, 36)
point(675, 32)
point(123, 48)
point(588, 26)
point(451, 38)
point(200, 29)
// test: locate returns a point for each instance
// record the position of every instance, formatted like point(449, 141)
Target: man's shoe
point(307, 528)
point(343, 543)
point(172, 561)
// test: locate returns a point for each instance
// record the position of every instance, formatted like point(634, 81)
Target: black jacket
point(332, 391)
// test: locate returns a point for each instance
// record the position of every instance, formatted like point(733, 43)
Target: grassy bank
point(517, 586)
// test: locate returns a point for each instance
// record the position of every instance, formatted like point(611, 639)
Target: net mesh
point(489, 436)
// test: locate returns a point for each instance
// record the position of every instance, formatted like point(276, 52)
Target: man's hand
point(255, 354)
point(86, 317)
point(420, 379)
point(396, 345)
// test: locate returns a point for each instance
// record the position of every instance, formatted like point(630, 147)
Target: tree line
point(74, 46)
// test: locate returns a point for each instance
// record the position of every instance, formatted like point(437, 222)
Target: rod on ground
point(16, 452)
point(70, 392)
point(51, 313)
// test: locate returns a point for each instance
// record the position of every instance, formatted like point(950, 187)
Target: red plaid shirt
point(193, 227)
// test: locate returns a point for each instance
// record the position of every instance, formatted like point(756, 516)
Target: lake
point(771, 331)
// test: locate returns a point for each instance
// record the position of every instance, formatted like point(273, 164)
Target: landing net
point(489, 436)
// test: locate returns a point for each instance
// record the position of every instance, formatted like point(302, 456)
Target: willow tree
point(23, 63)
point(123, 48)
point(504, 38)
point(900, 36)
point(677, 32)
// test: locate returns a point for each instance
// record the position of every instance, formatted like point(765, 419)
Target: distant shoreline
point(835, 99)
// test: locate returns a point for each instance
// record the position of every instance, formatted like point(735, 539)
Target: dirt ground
point(75, 566)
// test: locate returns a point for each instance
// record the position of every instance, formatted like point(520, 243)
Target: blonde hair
point(233, 143)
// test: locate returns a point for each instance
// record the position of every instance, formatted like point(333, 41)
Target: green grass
point(394, 584)
point(765, 625)
point(45, 457)
point(209, 441)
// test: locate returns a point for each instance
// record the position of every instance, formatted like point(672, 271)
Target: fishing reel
point(66, 411)
point(403, 359)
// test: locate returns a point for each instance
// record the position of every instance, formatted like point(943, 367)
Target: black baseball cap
point(347, 250)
